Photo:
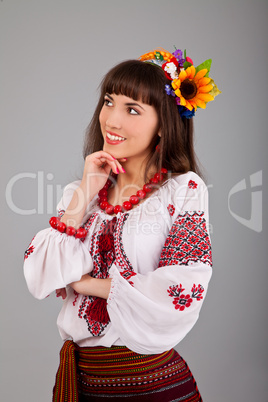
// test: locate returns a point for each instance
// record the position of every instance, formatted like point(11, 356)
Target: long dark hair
point(142, 81)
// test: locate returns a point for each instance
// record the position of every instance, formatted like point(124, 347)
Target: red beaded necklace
point(133, 200)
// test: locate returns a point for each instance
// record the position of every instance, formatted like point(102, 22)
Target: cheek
point(102, 117)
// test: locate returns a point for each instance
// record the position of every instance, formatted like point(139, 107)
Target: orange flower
point(193, 88)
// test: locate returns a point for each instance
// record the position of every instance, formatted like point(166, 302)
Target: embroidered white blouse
point(157, 254)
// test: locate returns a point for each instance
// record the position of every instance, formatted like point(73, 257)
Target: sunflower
point(193, 88)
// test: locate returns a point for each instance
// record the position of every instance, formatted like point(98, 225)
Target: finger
point(103, 157)
point(114, 165)
point(120, 167)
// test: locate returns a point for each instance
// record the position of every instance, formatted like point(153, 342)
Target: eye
point(133, 111)
point(107, 102)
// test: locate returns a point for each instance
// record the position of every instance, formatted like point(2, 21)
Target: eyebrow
point(130, 104)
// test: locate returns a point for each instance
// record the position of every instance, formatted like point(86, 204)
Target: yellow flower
point(193, 88)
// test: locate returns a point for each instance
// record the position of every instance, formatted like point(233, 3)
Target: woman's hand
point(89, 286)
point(96, 171)
point(61, 293)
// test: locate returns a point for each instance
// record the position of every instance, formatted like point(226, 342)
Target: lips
point(112, 138)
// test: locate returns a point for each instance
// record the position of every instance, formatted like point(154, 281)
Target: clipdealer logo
point(255, 220)
point(45, 191)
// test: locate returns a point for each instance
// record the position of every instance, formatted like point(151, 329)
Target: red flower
point(171, 209)
point(192, 184)
point(182, 301)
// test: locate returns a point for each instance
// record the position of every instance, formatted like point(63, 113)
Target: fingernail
point(113, 158)
point(117, 171)
point(123, 170)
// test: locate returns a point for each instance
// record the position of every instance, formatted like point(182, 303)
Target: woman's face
point(127, 126)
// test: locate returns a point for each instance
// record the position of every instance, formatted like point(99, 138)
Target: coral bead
point(103, 205)
point(103, 199)
point(134, 200)
point(61, 227)
point(118, 209)
point(103, 193)
point(158, 176)
point(127, 205)
point(141, 194)
point(163, 170)
point(54, 222)
point(154, 180)
point(147, 188)
point(109, 209)
point(70, 231)
point(107, 184)
point(81, 233)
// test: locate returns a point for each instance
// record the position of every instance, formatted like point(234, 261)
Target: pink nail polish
point(123, 170)
point(117, 171)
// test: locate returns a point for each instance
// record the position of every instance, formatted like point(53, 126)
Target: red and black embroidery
point(188, 241)
point(105, 248)
point(93, 309)
point(90, 221)
point(126, 269)
point(171, 209)
point(182, 300)
point(127, 274)
point(121, 258)
point(76, 297)
point(29, 250)
point(192, 184)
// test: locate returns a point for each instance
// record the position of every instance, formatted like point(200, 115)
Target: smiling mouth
point(114, 137)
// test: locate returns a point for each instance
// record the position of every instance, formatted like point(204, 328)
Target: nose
point(113, 118)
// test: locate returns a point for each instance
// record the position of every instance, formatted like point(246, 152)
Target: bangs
point(137, 80)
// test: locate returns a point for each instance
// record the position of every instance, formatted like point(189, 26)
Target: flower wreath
point(191, 86)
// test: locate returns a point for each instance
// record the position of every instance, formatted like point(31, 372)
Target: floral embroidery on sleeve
point(171, 209)
point(192, 184)
point(188, 241)
point(181, 300)
point(127, 274)
point(29, 250)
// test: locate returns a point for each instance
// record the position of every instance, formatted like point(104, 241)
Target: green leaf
point(186, 64)
point(206, 64)
point(185, 54)
point(158, 56)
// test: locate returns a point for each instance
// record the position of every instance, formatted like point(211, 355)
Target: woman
point(130, 251)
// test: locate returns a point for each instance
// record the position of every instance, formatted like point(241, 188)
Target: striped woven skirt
point(114, 374)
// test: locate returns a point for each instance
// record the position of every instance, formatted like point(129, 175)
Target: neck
point(134, 175)
point(130, 182)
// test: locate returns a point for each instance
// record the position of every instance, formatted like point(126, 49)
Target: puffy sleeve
point(154, 312)
point(54, 259)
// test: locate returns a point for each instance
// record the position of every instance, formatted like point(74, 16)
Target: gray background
point(54, 54)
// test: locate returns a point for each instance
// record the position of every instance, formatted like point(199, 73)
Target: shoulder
point(189, 180)
point(185, 192)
